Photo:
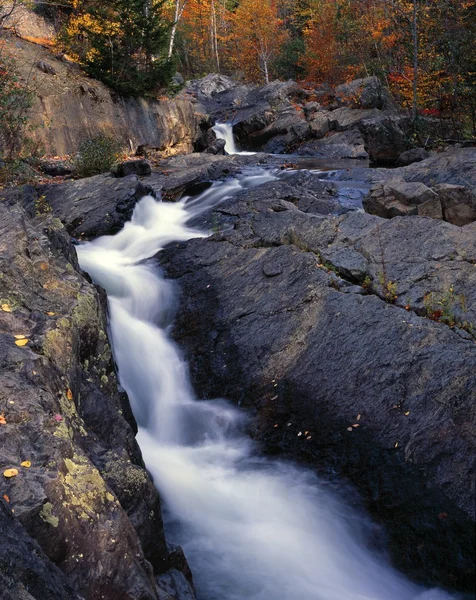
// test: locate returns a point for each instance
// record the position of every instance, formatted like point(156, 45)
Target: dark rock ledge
point(81, 518)
point(285, 314)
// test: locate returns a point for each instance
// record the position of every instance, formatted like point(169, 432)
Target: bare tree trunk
point(213, 35)
point(415, 60)
point(178, 15)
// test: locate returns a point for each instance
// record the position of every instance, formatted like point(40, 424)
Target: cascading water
point(224, 131)
point(252, 529)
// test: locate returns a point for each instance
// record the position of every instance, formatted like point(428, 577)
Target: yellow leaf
point(26, 464)
point(69, 395)
point(50, 314)
point(10, 473)
point(6, 308)
point(21, 343)
point(19, 337)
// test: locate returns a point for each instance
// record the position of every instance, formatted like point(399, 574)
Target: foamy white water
point(224, 131)
point(252, 529)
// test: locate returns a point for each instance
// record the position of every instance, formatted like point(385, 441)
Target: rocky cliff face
point(69, 107)
point(88, 519)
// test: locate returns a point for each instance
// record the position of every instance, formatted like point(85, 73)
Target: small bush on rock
point(96, 155)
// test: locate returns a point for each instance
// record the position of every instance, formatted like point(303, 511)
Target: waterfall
point(224, 131)
point(252, 528)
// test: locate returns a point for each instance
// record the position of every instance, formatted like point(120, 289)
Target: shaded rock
point(63, 501)
point(55, 168)
point(217, 147)
point(395, 199)
point(363, 93)
point(412, 156)
point(347, 118)
point(458, 203)
point(303, 347)
point(25, 570)
point(95, 205)
point(319, 124)
point(209, 86)
point(141, 168)
point(384, 139)
point(45, 67)
point(336, 145)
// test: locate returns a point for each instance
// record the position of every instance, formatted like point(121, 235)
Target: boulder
point(345, 118)
point(209, 86)
point(319, 124)
point(336, 145)
point(458, 203)
point(397, 198)
point(455, 204)
point(139, 167)
point(217, 147)
point(412, 156)
point(385, 140)
point(363, 93)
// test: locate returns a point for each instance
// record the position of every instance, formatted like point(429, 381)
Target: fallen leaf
point(358, 417)
point(407, 413)
point(442, 515)
point(6, 498)
point(50, 314)
point(21, 343)
point(300, 434)
point(10, 473)
point(350, 429)
point(6, 308)
point(3, 421)
point(396, 445)
point(19, 336)
point(58, 418)
point(355, 425)
point(69, 395)
point(26, 464)
point(309, 437)
point(276, 425)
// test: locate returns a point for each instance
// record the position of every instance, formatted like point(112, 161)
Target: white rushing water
point(252, 529)
point(224, 131)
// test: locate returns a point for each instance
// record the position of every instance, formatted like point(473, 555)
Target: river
point(252, 528)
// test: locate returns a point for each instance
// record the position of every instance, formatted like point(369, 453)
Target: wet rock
point(317, 345)
point(95, 205)
point(60, 496)
point(25, 570)
point(216, 147)
point(412, 156)
point(141, 168)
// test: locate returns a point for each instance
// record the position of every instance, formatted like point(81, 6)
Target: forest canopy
point(422, 49)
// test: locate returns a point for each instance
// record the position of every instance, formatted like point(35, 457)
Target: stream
point(251, 528)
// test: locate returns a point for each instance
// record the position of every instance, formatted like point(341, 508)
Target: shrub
point(96, 155)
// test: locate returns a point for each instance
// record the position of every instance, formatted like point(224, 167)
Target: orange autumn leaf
point(6, 498)
point(69, 394)
point(3, 421)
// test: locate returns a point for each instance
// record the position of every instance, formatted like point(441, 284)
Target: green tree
point(121, 42)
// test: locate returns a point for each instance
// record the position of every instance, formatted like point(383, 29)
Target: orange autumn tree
point(203, 32)
point(257, 38)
